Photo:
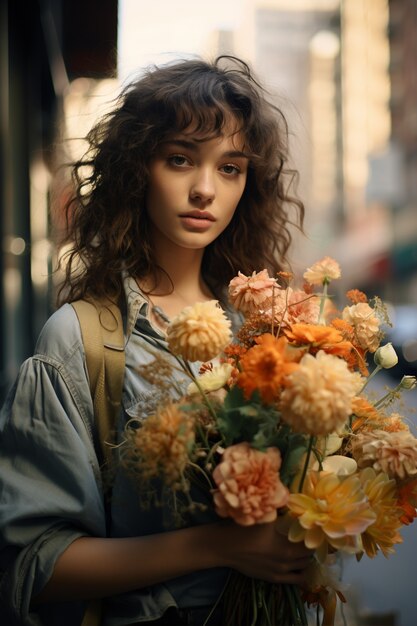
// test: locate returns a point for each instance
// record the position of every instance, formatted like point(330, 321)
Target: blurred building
point(44, 46)
point(403, 71)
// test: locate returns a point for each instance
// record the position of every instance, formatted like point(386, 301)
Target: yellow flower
point(392, 452)
point(366, 325)
point(322, 272)
point(382, 495)
point(330, 510)
point(212, 379)
point(162, 444)
point(318, 396)
point(199, 332)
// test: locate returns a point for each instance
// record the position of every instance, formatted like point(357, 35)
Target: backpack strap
point(103, 338)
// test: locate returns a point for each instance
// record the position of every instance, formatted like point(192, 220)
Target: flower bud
point(386, 356)
point(408, 382)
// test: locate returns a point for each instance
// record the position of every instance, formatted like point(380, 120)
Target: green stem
point(370, 377)
point(307, 461)
point(323, 299)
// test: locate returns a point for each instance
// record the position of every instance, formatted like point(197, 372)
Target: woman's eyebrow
point(194, 146)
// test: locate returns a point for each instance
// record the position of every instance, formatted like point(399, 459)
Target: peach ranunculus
point(265, 366)
point(249, 489)
point(330, 510)
point(394, 453)
point(365, 323)
point(249, 294)
point(322, 272)
point(317, 398)
point(199, 332)
point(382, 496)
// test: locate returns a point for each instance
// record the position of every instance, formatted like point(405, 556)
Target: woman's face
point(194, 187)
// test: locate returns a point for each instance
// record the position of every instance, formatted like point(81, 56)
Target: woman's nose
point(203, 187)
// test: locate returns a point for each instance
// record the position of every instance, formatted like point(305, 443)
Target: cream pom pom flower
point(366, 325)
point(249, 487)
point(199, 332)
point(318, 396)
point(249, 294)
point(394, 453)
point(322, 272)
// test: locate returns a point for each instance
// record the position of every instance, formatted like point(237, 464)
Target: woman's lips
point(197, 220)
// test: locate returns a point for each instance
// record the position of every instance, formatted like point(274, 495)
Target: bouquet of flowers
point(277, 425)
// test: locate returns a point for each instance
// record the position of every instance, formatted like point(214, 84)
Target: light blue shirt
point(50, 480)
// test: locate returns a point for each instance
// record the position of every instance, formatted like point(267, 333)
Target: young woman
point(185, 183)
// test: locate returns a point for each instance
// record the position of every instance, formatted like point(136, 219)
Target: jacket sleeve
point(50, 489)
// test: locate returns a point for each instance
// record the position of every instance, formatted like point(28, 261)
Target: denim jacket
point(50, 482)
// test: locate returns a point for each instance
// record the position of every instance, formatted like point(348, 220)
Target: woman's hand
point(263, 551)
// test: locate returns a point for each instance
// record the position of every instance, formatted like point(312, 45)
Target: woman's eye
point(178, 160)
point(230, 169)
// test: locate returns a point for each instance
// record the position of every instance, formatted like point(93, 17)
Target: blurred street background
point(345, 74)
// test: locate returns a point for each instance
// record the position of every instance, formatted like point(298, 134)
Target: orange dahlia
point(265, 366)
point(319, 337)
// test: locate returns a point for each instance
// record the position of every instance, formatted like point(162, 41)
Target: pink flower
point(250, 293)
point(303, 308)
point(249, 488)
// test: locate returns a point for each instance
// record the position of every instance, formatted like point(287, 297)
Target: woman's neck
point(178, 284)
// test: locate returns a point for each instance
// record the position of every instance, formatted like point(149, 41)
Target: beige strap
point(102, 333)
point(93, 614)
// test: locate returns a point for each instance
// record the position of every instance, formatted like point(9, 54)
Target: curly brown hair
point(107, 224)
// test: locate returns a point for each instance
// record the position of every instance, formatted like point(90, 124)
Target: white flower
point(386, 356)
point(337, 464)
point(212, 380)
point(408, 382)
point(322, 272)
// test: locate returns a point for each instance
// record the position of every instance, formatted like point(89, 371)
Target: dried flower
point(212, 379)
point(356, 296)
point(265, 366)
point(394, 453)
point(161, 446)
point(331, 509)
point(366, 324)
point(322, 272)
point(383, 532)
point(249, 488)
point(386, 356)
point(318, 396)
point(366, 416)
point(250, 293)
point(199, 332)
